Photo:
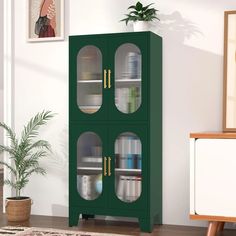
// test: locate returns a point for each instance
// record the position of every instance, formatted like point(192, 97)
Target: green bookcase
point(115, 127)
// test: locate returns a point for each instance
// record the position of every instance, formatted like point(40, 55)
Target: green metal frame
point(108, 123)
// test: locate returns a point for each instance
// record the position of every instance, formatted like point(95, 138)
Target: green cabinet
point(115, 126)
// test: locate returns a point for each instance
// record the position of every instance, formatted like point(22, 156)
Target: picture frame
point(45, 20)
point(229, 91)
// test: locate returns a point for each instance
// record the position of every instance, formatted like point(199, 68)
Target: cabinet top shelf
point(209, 135)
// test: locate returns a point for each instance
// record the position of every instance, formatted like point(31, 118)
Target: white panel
point(215, 175)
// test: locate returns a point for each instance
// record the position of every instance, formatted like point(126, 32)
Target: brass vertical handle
point(105, 79)
point(109, 78)
point(105, 166)
point(109, 166)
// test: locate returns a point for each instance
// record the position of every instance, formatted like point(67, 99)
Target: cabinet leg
point(73, 217)
point(221, 226)
point(146, 224)
point(212, 228)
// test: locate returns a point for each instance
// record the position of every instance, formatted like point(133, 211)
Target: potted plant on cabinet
point(24, 153)
point(141, 16)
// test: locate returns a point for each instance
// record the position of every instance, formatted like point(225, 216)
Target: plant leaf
point(40, 144)
point(146, 7)
point(131, 7)
point(10, 183)
point(134, 12)
point(26, 154)
point(6, 149)
point(37, 170)
point(138, 6)
point(10, 133)
point(8, 166)
point(40, 119)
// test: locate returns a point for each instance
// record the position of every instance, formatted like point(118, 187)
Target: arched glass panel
point(128, 66)
point(89, 79)
point(128, 167)
point(89, 166)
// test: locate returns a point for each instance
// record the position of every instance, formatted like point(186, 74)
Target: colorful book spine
point(130, 158)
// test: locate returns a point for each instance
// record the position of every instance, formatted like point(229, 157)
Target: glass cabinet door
point(89, 166)
point(128, 66)
point(128, 167)
point(89, 79)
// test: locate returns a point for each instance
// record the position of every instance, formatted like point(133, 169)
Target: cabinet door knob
point(109, 166)
point(105, 79)
point(105, 166)
point(109, 78)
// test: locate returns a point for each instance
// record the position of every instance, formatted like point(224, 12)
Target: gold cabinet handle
point(109, 166)
point(105, 166)
point(105, 79)
point(109, 78)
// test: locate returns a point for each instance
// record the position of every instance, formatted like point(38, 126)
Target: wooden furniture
point(115, 127)
point(229, 102)
point(212, 179)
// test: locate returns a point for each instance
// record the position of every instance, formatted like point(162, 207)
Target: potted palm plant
point(24, 153)
point(140, 16)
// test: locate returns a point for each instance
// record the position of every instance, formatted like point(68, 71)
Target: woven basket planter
point(18, 209)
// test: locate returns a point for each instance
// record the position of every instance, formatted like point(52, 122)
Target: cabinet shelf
point(89, 81)
point(127, 171)
point(128, 81)
point(89, 109)
point(89, 168)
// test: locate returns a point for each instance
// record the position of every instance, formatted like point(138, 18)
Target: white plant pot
point(141, 25)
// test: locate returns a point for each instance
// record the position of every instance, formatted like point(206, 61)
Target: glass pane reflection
point(128, 171)
point(128, 66)
point(89, 79)
point(89, 166)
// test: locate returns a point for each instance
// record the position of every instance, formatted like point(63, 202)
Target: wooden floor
point(113, 227)
point(110, 227)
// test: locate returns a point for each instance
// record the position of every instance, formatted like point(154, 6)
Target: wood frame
point(213, 135)
point(225, 128)
point(61, 27)
point(213, 218)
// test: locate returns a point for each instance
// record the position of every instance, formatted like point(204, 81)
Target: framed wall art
point(45, 20)
point(229, 103)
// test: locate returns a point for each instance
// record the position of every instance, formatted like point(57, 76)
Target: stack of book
point(134, 64)
point(128, 153)
point(128, 99)
point(128, 188)
point(86, 185)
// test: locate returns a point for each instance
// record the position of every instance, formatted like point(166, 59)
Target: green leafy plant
point(140, 13)
point(25, 152)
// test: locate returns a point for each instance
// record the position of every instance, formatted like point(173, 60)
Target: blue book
point(130, 159)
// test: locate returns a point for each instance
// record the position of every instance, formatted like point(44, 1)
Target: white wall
point(41, 82)
point(192, 89)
